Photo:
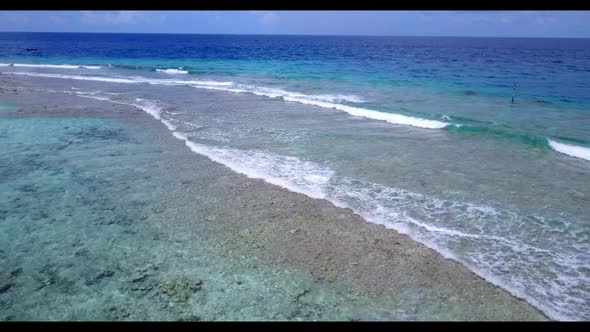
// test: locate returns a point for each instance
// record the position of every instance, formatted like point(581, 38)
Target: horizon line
point(285, 34)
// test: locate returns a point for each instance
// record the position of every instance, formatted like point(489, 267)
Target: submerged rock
point(97, 277)
point(142, 280)
point(298, 293)
point(4, 287)
point(326, 272)
point(27, 189)
point(139, 277)
point(180, 289)
point(118, 313)
point(149, 269)
point(143, 286)
point(38, 215)
point(44, 280)
point(16, 272)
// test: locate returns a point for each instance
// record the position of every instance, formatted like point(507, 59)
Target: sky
point(379, 23)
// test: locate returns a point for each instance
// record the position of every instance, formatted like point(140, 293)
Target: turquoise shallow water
point(6, 107)
point(80, 239)
point(96, 223)
point(418, 135)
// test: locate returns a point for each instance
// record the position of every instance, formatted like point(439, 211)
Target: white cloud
point(214, 15)
point(15, 18)
point(121, 17)
point(57, 19)
point(505, 19)
point(542, 20)
point(502, 17)
point(266, 17)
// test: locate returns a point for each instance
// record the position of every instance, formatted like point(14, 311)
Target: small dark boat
point(32, 49)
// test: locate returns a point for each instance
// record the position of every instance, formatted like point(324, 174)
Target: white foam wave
point(169, 125)
point(126, 80)
point(375, 115)
point(30, 65)
point(278, 93)
point(172, 71)
point(316, 101)
point(149, 107)
point(374, 203)
point(187, 123)
point(145, 105)
point(340, 98)
point(180, 82)
point(284, 171)
point(530, 263)
point(570, 150)
point(74, 77)
point(488, 255)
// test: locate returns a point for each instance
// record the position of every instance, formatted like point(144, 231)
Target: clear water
point(80, 239)
point(418, 134)
point(6, 107)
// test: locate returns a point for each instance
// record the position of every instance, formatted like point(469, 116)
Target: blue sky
point(400, 23)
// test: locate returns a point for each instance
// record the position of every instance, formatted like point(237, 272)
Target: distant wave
point(324, 101)
point(320, 101)
point(328, 101)
point(278, 93)
point(376, 115)
point(172, 71)
point(497, 132)
point(570, 150)
point(70, 66)
point(129, 80)
point(29, 65)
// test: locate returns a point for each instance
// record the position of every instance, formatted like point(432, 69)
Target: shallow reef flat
point(104, 215)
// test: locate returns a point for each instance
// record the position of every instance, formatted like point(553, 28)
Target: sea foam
point(127, 80)
point(172, 71)
point(284, 171)
point(570, 150)
point(30, 65)
point(319, 101)
point(313, 100)
point(375, 115)
point(488, 255)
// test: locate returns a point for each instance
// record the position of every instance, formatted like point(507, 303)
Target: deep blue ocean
point(420, 134)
